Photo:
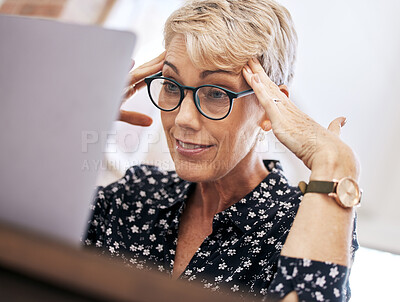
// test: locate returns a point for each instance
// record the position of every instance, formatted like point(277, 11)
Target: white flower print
point(192, 278)
point(306, 262)
point(308, 277)
point(235, 288)
point(247, 264)
point(231, 252)
point(252, 215)
point(336, 292)
point(219, 278)
point(229, 279)
point(255, 242)
point(334, 272)
point(135, 229)
point(319, 296)
point(207, 285)
point(321, 281)
point(266, 194)
point(261, 233)
point(160, 248)
point(278, 287)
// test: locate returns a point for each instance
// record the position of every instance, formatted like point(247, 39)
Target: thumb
point(336, 125)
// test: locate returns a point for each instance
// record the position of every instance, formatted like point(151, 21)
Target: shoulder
point(145, 185)
point(137, 196)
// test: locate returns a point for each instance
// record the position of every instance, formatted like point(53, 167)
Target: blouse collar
point(247, 212)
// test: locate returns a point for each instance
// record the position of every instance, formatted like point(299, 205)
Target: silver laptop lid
point(60, 89)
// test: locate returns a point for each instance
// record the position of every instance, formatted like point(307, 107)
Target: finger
point(263, 96)
point(141, 72)
point(132, 64)
point(135, 118)
point(257, 68)
point(336, 125)
point(131, 90)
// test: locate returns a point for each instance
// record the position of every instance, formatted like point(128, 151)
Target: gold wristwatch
point(345, 191)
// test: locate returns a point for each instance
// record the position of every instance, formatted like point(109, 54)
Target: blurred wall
point(81, 11)
point(42, 8)
point(349, 64)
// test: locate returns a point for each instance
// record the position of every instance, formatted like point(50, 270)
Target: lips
point(191, 149)
point(191, 146)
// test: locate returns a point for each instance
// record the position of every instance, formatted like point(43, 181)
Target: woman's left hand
point(320, 149)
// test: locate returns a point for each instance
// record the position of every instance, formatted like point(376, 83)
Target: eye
point(170, 87)
point(216, 93)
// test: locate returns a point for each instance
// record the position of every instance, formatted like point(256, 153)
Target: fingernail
point(248, 70)
point(344, 121)
point(255, 60)
point(256, 78)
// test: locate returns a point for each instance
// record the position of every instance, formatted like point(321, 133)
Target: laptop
point(60, 89)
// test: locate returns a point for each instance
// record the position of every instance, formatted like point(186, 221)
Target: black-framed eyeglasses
point(212, 101)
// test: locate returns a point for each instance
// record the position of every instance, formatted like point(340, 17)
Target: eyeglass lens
point(213, 101)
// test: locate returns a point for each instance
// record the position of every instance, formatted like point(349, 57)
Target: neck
point(213, 197)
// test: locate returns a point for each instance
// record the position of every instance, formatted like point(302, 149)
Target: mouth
point(190, 149)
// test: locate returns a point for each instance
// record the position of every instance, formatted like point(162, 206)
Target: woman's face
point(203, 149)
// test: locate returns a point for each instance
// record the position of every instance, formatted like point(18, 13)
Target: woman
point(225, 217)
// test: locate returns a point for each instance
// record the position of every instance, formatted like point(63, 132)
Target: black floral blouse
point(137, 219)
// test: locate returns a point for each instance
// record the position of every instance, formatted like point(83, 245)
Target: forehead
point(177, 54)
point(176, 48)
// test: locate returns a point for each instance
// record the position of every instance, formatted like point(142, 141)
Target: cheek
point(243, 127)
point(167, 123)
point(167, 120)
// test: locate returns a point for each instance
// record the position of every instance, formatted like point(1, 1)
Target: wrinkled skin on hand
point(320, 149)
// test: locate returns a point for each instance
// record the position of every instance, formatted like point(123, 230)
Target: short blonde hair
point(226, 33)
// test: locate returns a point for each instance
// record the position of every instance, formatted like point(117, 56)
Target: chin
point(196, 171)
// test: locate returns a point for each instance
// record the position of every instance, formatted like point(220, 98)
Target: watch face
point(348, 192)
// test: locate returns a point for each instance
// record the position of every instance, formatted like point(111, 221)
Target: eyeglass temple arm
point(245, 93)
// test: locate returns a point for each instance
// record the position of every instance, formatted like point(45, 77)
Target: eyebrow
point(203, 74)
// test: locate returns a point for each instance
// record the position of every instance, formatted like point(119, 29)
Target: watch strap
point(317, 186)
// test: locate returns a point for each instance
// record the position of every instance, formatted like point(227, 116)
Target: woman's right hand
point(136, 82)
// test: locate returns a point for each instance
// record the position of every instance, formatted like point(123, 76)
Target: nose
point(188, 116)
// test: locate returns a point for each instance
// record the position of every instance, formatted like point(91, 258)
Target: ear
point(284, 89)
